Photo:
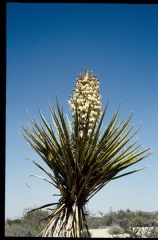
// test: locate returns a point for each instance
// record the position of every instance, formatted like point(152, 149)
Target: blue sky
point(48, 45)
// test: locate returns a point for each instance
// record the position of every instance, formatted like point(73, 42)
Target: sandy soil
point(100, 233)
point(103, 233)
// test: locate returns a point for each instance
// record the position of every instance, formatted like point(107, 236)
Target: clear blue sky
point(48, 45)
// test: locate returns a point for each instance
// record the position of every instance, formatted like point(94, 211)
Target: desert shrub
point(142, 232)
point(109, 218)
point(19, 230)
point(93, 222)
point(13, 221)
point(138, 221)
point(27, 226)
point(116, 229)
point(151, 223)
point(152, 233)
point(123, 223)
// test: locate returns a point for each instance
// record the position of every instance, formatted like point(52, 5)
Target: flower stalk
point(86, 97)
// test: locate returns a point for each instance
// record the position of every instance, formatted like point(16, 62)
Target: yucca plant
point(82, 158)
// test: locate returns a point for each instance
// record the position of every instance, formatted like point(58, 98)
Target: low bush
point(115, 229)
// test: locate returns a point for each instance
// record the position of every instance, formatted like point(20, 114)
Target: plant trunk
point(66, 221)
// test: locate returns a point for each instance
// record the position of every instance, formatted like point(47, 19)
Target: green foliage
point(138, 221)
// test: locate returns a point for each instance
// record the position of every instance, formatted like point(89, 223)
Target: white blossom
point(86, 94)
point(89, 131)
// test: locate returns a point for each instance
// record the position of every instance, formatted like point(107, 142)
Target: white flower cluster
point(86, 94)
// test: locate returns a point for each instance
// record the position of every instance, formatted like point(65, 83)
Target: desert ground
point(103, 233)
point(100, 233)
